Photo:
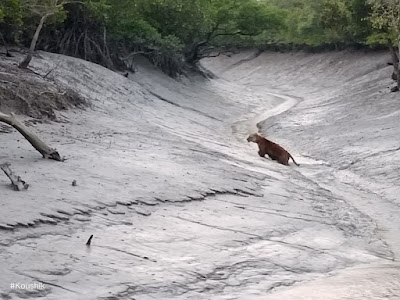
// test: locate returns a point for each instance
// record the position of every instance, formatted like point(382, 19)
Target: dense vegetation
point(174, 33)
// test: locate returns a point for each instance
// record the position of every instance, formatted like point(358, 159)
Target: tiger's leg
point(284, 160)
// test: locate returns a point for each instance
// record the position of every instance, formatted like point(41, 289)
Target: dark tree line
point(178, 33)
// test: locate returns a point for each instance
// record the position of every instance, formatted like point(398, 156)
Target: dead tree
point(25, 63)
point(44, 11)
point(32, 138)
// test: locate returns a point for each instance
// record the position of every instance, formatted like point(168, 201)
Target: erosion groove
point(66, 217)
point(377, 154)
point(183, 107)
point(44, 292)
point(281, 284)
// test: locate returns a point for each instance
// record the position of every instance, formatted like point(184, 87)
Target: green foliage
point(10, 12)
point(385, 20)
point(19, 18)
point(317, 23)
point(325, 22)
point(10, 19)
point(255, 17)
point(33, 10)
point(131, 25)
point(100, 9)
point(192, 29)
point(180, 18)
point(360, 27)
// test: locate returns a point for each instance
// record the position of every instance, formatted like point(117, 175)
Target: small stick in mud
point(16, 181)
point(89, 240)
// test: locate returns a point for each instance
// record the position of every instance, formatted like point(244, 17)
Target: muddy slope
point(182, 207)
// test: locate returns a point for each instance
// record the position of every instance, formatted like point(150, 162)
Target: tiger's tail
point(294, 160)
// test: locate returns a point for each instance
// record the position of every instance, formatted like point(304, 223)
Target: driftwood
point(16, 181)
point(32, 138)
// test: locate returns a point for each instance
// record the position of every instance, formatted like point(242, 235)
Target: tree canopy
point(174, 32)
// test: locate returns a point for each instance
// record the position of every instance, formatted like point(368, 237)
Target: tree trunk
point(32, 138)
point(25, 63)
point(397, 69)
point(395, 60)
point(193, 54)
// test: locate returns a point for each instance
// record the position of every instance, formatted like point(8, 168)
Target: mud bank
point(182, 207)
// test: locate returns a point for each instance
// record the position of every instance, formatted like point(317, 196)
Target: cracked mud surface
point(182, 207)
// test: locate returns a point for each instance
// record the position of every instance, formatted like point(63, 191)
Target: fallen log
point(16, 181)
point(32, 138)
